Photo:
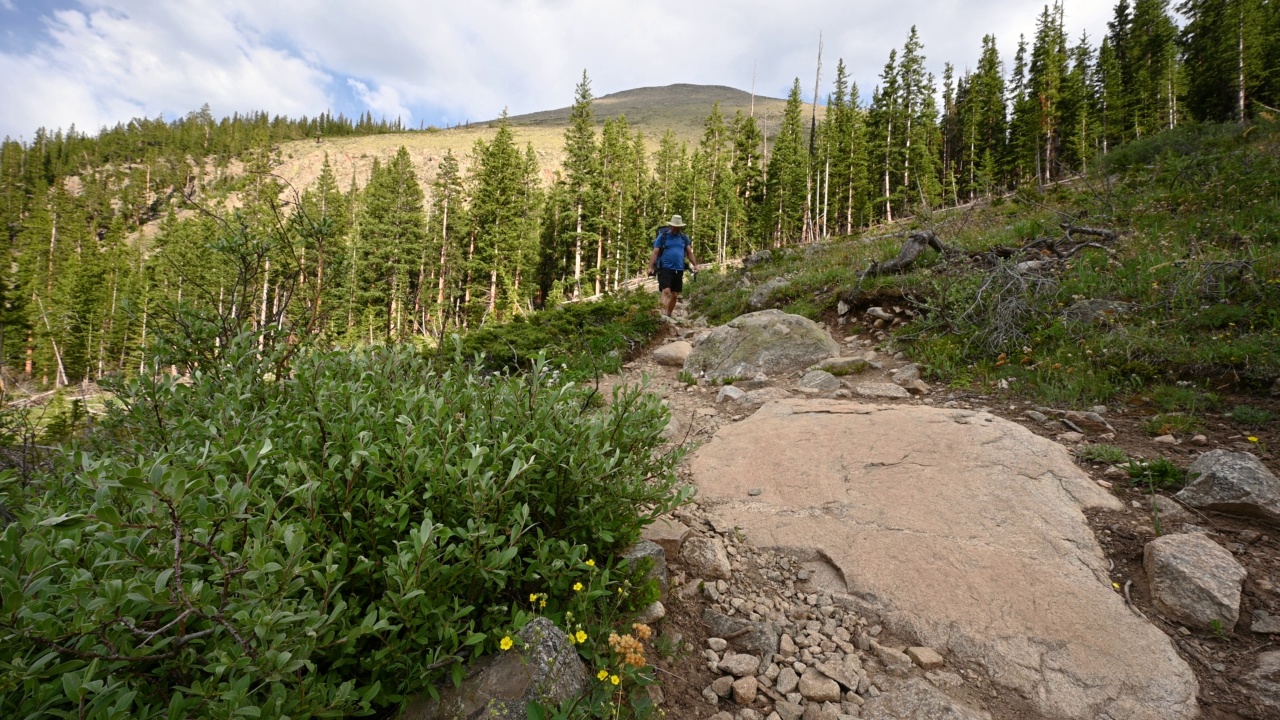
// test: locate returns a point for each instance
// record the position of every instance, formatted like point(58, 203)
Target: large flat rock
point(960, 531)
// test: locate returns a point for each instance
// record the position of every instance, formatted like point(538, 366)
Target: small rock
point(673, 354)
point(740, 665)
point(926, 658)
point(667, 532)
point(1035, 416)
point(755, 492)
point(1166, 440)
point(907, 374)
point(917, 387)
point(820, 380)
point(788, 710)
point(744, 690)
point(709, 696)
point(814, 711)
point(787, 682)
point(718, 644)
point(816, 687)
point(730, 393)
point(893, 660)
point(1199, 440)
point(706, 557)
point(1070, 438)
point(787, 646)
point(1194, 580)
point(654, 612)
point(722, 686)
point(748, 714)
point(1265, 624)
point(1264, 682)
point(1170, 511)
point(1089, 422)
point(1115, 471)
point(881, 390)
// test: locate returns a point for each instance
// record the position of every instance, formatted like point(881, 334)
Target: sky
point(93, 63)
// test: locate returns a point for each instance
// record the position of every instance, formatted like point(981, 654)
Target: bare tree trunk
point(1240, 54)
point(577, 255)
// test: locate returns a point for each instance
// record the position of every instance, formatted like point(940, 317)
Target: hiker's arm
point(693, 261)
point(653, 260)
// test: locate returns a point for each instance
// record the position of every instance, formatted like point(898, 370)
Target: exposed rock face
point(545, 667)
point(1194, 580)
point(769, 341)
point(673, 354)
point(1233, 482)
point(754, 259)
point(918, 700)
point(959, 530)
point(706, 558)
point(760, 296)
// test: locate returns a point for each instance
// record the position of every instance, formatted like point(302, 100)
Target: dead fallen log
point(916, 243)
point(1070, 230)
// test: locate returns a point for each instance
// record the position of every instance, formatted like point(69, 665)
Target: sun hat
point(676, 221)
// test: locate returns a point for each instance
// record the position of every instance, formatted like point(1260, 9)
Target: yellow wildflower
point(591, 563)
point(506, 643)
point(533, 597)
point(602, 674)
point(1253, 439)
point(577, 587)
point(542, 603)
point(615, 679)
point(581, 636)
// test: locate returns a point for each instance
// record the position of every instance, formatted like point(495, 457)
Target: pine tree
point(392, 238)
point(787, 174)
point(884, 117)
point(581, 170)
point(503, 201)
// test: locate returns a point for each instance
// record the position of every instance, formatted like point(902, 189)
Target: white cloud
point(446, 60)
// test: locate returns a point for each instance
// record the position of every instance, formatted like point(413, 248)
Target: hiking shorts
point(672, 280)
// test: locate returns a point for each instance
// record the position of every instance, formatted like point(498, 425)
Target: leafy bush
point(1102, 453)
point(586, 338)
point(314, 537)
point(1158, 473)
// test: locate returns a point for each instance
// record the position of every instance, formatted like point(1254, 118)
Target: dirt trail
point(1066, 644)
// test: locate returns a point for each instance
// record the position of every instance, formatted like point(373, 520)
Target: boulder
point(706, 558)
point(1233, 482)
point(1098, 312)
point(544, 667)
point(821, 381)
point(758, 258)
point(673, 354)
point(1263, 683)
point(769, 341)
point(881, 390)
point(1265, 624)
point(916, 699)
point(923, 517)
point(759, 299)
point(926, 658)
point(1194, 581)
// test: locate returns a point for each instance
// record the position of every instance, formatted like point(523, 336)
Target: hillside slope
point(682, 108)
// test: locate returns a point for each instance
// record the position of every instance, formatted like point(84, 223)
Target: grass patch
point(1253, 418)
point(1102, 453)
point(1171, 424)
point(1161, 473)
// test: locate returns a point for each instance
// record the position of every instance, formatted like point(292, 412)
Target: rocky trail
point(864, 545)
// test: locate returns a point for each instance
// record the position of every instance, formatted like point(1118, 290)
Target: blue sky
point(98, 62)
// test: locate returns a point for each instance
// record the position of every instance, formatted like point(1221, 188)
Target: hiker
point(669, 251)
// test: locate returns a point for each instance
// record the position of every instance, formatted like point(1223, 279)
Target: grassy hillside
point(1193, 272)
point(680, 108)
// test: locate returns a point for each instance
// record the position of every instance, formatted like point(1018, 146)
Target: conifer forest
point(108, 231)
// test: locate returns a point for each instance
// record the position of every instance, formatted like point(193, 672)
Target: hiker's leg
point(667, 303)
point(671, 300)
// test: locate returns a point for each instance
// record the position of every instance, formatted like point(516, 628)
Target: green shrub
point(1160, 473)
point(1102, 453)
point(313, 538)
point(587, 339)
point(1252, 417)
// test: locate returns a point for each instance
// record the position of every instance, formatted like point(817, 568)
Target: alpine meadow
point(312, 416)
